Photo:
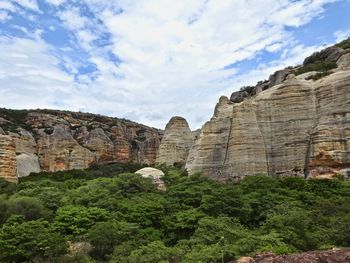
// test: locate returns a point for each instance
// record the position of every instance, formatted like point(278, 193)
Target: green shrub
point(322, 66)
point(345, 44)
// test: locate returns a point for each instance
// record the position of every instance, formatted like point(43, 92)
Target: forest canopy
point(110, 214)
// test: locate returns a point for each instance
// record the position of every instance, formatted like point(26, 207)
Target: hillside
point(51, 140)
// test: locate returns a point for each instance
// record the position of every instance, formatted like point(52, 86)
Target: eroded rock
point(155, 174)
point(176, 142)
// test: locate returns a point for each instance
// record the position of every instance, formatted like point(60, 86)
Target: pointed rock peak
point(176, 122)
point(222, 106)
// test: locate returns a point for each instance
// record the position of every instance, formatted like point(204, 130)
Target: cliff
point(49, 140)
point(296, 123)
point(176, 142)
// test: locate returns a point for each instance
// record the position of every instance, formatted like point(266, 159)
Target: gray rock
point(278, 77)
point(27, 164)
point(239, 96)
point(346, 173)
point(328, 54)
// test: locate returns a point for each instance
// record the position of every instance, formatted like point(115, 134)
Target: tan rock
point(245, 260)
point(60, 151)
point(246, 153)
point(27, 164)
point(24, 142)
point(97, 142)
point(8, 164)
point(331, 136)
point(344, 62)
point(209, 151)
point(176, 142)
point(296, 128)
point(155, 174)
point(64, 140)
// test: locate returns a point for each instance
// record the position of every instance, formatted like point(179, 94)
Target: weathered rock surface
point(155, 174)
point(176, 142)
point(48, 140)
point(27, 164)
point(8, 167)
point(209, 153)
point(299, 127)
point(341, 255)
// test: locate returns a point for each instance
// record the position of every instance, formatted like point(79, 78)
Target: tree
point(22, 241)
point(30, 207)
point(104, 236)
point(76, 220)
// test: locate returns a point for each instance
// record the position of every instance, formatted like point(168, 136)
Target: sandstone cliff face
point(298, 126)
point(176, 142)
point(8, 168)
point(35, 141)
point(209, 152)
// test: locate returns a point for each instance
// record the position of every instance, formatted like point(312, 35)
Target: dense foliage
point(66, 217)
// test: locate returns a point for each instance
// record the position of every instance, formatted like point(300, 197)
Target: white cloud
point(30, 4)
point(55, 2)
point(172, 54)
point(341, 35)
point(6, 5)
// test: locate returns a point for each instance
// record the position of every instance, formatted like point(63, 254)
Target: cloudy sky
point(148, 60)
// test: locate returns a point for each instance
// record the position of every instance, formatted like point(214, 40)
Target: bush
point(321, 66)
point(32, 241)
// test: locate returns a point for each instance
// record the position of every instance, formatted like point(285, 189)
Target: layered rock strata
point(47, 140)
point(299, 127)
point(176, 142)
point(8, 168)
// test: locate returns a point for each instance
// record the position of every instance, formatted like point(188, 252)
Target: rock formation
point(340, 255)
point(8, 169)
point(176, 142)
point(209, 152)
point(48, 140)
point(297, 124)
point(155, 174)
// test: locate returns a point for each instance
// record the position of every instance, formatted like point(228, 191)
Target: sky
point(149, 60)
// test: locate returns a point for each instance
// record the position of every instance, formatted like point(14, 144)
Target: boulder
point(239, 96)
point(27, 164)
point(155, 174)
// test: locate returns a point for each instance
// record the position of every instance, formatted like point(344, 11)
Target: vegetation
point(345, 44)
point(319, 75)
point(318, 65)
point(126, 219)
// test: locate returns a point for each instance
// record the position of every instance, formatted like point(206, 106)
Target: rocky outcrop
point(48, 140)
point(176, 142)
point(156, 176)
point(299, 126)
point(340, 255)
point(209, 153)
point(8, 167)
point(330, 138)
